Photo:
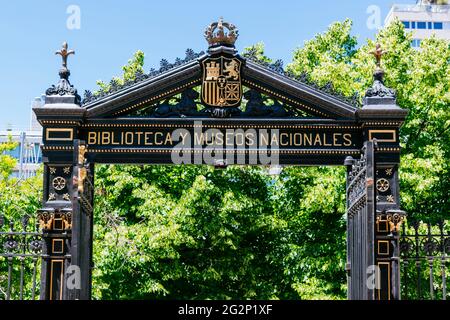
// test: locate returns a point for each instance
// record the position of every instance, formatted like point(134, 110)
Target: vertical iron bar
point(417, 259)
point(33, 292)
point(403, 238)
point(430, 265)
point(405, 268)
point(429, 254)
point(442, 247)
point(22, 259)
point(8, 291)
point(444, 279)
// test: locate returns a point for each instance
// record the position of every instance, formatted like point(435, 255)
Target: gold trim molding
point(393, 132)
point(58, 130)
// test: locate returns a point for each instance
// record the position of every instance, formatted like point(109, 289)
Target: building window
point(415, 43)
point(438, 25)
point(413, 25)
point(421, 25)
point(430, 25)
point(406, 24)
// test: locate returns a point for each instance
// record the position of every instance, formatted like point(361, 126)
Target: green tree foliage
point(18, 198)
point(134, 66)
point(197, 233)
point(422, 81)
point(192, 232)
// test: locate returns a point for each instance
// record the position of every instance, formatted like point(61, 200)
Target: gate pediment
point(173, 79)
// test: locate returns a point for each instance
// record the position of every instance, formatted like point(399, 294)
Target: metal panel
point(360, 222)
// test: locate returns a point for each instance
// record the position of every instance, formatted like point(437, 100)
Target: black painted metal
point(360, 222)
point(425, 259)
point(21, 249)
point(165, 100)
point(82, 224)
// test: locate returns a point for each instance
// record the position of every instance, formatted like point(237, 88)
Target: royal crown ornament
point(215, 33)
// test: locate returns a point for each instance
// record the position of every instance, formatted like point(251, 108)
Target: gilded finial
point(64, 53)
point(378, 89)
point(215, 33)
point(378, 53)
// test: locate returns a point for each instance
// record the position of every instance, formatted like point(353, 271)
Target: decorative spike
point(164, 64)
point(25, 220)
point(140, 76)
point(190, 54)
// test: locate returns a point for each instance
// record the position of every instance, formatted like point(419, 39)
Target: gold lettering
point(139, 134)
point(281, 139)
point(106, 138)
point(274, 140)
point(219, 138)
point(92, 137)
point(348, 139)
point(129, 138)
point(264, 139)
point(325, 141)
point(197, 140)
point(147, 137)
point(209, 139)
point(112, 139)
point(308, 138)
point(335, 139)
point(297, 135)
point(317, 140)
point(250, 138)
point(158, 134)
point(240, 139)
point(183, 137)
point(227, 138)
point(168, 139)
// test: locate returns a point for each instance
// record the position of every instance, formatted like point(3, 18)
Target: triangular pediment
point(173, 79)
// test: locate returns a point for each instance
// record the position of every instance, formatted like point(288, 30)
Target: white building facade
point(28, 151)
point(423, 19)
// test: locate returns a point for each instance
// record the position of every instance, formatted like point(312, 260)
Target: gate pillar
point(60, 118)
point(381, 119)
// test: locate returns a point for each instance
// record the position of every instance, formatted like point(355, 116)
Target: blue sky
point(111, 31)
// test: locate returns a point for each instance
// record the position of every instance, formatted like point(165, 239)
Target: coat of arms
point(221, 85)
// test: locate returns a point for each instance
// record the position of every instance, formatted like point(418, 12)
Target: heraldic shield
point(222, 85)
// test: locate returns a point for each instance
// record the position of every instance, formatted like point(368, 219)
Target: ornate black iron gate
point(281, 116)
point(361, 213)
point(425, 259)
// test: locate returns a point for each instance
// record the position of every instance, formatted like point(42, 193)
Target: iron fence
point(425, 260)
point(20, 258)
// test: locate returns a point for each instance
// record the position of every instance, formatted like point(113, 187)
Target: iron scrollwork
point(20, 240)
point(356, 183)
point(187, 105)
point(424, 252)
